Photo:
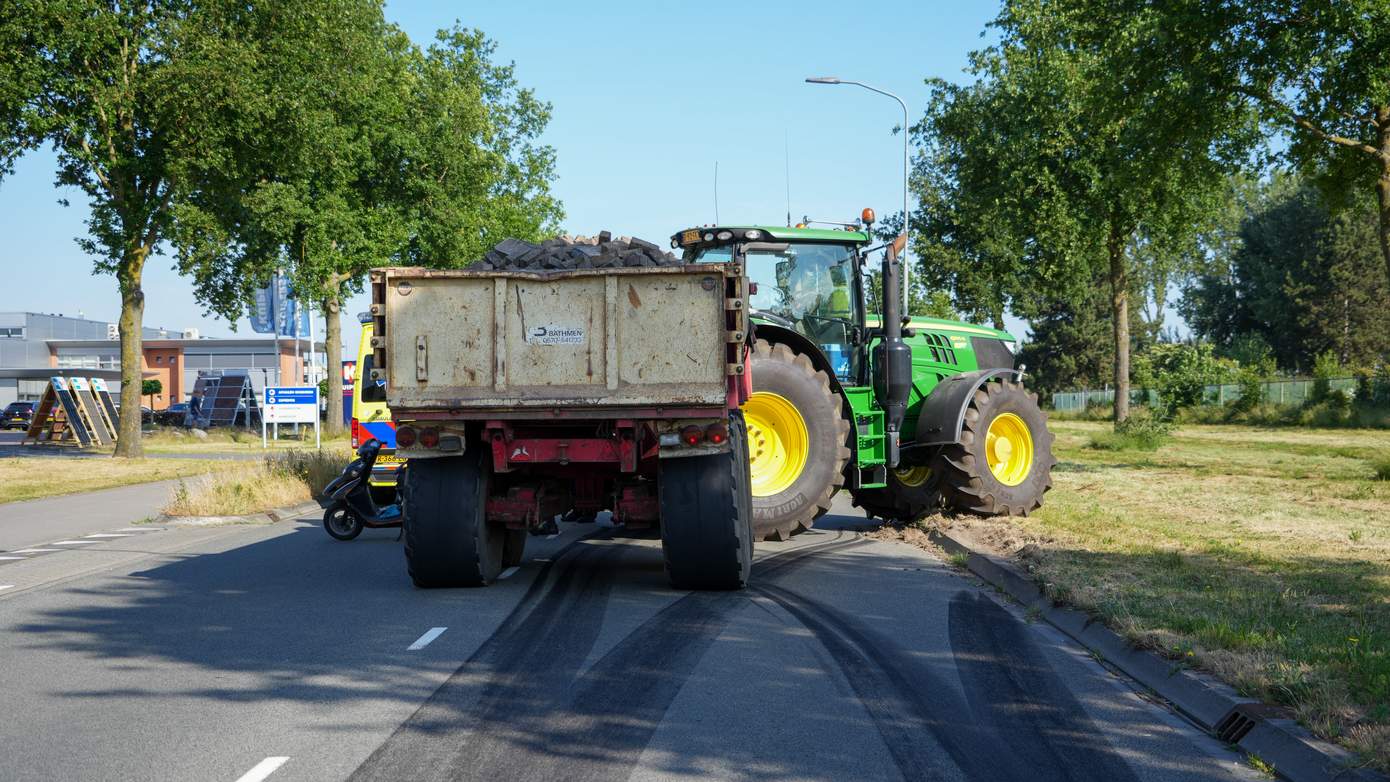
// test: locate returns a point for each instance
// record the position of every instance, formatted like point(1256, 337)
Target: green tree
point(1320, 69)
point(1070, 156)
point(148, 388)
point(129, 96)
point(383, 153)
point(1300, 278)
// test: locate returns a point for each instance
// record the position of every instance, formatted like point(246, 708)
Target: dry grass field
point(28, 477)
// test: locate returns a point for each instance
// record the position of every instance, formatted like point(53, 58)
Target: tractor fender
point(943, 411)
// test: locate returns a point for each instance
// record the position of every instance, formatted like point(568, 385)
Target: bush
point(1381, 468)
point(1137, 433)
point(1180, 373)
point(1325, 367)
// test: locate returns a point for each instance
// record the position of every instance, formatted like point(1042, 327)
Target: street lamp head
point(822, 80)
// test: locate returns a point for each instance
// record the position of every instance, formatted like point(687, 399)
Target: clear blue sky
point(646, 97)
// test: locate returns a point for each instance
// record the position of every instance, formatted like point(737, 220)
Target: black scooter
point(347, 500)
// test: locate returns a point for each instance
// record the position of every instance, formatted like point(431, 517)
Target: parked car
point(172, 415)
point(17, 415)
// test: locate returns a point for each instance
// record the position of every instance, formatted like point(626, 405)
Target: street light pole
point(892, 355)
point(907, 299)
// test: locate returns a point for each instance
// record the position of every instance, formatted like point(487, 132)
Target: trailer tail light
point(429, 437)
point(405, 436)
point(692, 435)
point(356, 434)
point(717, 433)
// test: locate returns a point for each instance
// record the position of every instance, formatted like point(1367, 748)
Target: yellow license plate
point(690, 236)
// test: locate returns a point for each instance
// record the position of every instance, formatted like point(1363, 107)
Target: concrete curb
point(266, 517)
point(1253, 726)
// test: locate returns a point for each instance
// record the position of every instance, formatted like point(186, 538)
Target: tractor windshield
point(809, 288)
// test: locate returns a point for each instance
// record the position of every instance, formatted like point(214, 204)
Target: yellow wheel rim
point(912, 477)
point(777, 442)
point(1009, 449)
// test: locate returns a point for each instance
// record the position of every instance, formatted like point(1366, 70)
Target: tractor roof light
point(754, 235)
point(867, 216)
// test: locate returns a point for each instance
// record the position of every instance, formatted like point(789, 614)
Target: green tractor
point(908, 414)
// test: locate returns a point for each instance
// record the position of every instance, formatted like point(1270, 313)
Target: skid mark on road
point(519, 706)
point(1012, 688)
point(488, 708)
point(916, 714)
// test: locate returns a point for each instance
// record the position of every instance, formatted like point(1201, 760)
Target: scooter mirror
point(369, 448)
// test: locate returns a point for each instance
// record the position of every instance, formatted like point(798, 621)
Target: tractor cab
point(805, 280)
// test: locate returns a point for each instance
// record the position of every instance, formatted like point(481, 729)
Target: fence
point(1277, 392)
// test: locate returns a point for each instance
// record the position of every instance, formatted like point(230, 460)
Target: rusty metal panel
point(513, 340)
point(668, 326)
point(455, 319)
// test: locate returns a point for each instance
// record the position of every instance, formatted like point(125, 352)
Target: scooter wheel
point(341, 523)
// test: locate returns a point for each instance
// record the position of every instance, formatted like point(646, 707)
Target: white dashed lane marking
point(6, 586)
point(508, 573)
point(35, 550)
point(262, 769)
point(71, 542)
point(424, 640)
point(108, 535)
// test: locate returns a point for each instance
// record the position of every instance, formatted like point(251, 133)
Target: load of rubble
point(574, 252)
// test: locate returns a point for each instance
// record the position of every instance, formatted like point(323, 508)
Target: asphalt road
point(277, 653)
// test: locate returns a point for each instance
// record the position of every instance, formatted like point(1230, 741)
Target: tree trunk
point(1119, 315)
point(333, 347)
point(1383, 193)
point(128, 443)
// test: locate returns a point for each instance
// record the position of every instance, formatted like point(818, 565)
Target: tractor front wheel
point(913, 491)
point(1002, 465)
point(797, 441)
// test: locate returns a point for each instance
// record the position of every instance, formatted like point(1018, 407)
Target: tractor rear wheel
point(797, 441)
point(706, 525)
point(448, 541)
point(1002, 465)
point(912, 492)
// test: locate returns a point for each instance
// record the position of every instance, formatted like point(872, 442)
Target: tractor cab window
point(809, 288)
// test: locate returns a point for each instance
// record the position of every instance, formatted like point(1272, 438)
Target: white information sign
point(290, 405)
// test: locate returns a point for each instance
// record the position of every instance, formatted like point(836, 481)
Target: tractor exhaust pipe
point(894, 358)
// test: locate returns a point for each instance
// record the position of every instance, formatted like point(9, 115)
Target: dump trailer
point(522, 393)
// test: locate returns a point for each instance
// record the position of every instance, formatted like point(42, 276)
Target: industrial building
point(34, 346)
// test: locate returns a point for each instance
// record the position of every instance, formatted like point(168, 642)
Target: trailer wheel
point(706, 516)
point(798, 437)
point(913, 491)
point(448, 542)
point(1003, 463)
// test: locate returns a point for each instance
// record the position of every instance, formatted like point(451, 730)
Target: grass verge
point(1262, 555)
point(170, 439)
point(278, 480)
point(30, 478)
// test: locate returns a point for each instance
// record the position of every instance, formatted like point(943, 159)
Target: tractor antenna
point(787, 173)
point(716, 192)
